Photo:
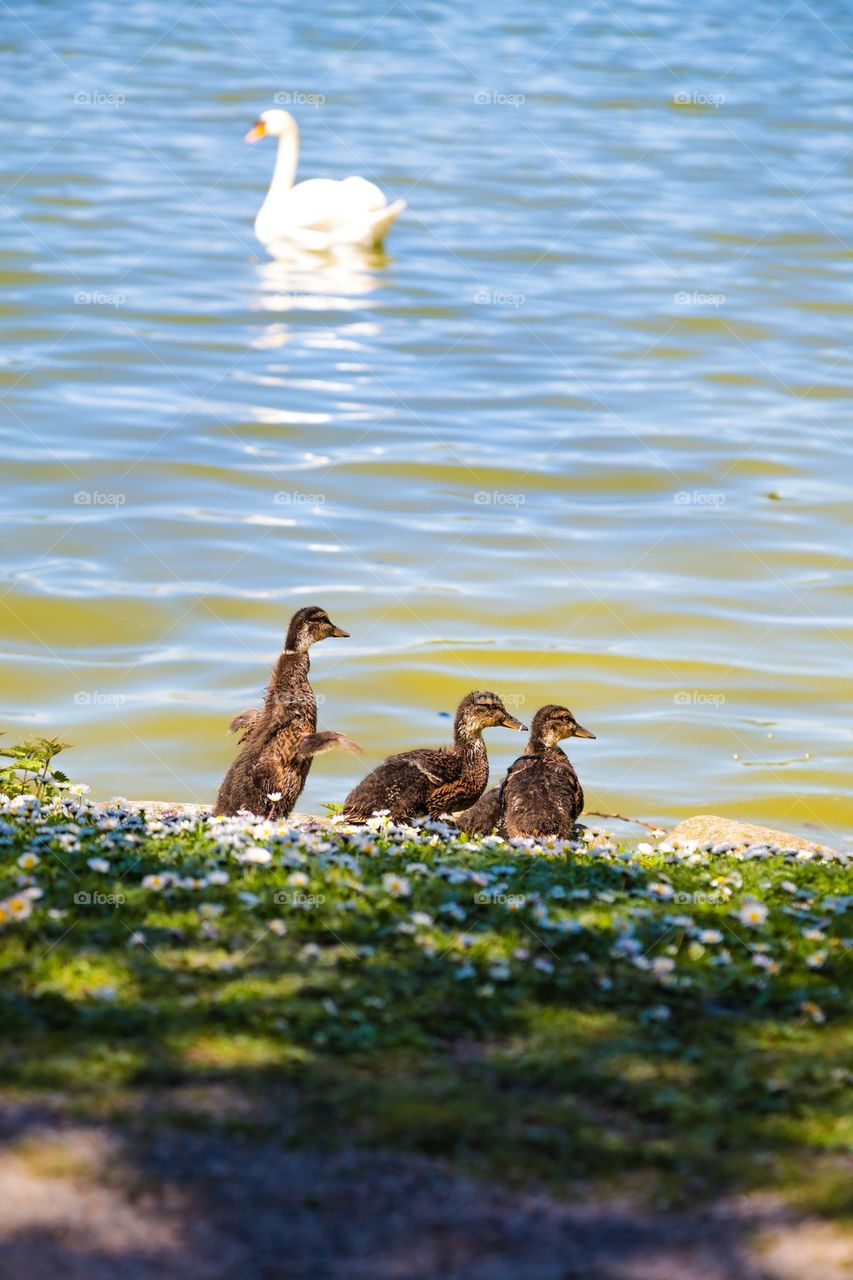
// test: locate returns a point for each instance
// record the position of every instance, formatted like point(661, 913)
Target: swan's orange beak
point(257, 131)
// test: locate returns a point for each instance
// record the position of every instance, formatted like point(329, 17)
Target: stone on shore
point(706, 828)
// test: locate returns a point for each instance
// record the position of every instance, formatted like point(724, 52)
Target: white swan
point(319, 213)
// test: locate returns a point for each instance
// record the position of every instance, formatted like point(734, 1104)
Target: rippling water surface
point(583, 433)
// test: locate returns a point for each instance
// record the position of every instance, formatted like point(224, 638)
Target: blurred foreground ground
point(87, 1202)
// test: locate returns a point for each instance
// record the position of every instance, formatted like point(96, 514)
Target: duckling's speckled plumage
point(279, 742)
point(433, 782)
point(541, 794)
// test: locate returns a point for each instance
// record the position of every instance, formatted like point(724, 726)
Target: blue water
point(581, 435)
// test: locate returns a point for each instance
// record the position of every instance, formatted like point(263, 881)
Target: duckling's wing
point(400, 786)
point(438, 766)
point(541, 795)
point(244, 723)
point(314, 744)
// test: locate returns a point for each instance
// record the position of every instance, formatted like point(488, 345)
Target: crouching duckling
point(279, 741)
point(541, 794)
point(434, 782)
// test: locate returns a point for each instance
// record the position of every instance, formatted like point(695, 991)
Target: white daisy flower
point(255, 854)
point(753, 914)
point(397, 886)
point(19, 907)
point(156, 881)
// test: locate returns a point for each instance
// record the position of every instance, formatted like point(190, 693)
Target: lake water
point(582, 435)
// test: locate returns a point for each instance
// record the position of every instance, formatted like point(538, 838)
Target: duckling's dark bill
point(340, 633)
point(512, 723)
point(581, 732)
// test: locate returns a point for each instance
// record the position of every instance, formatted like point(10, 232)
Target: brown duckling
point(279, 741)
point(434, 782)
point(540, 795)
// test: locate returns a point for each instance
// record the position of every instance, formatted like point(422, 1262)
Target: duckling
point(279, 741)
point(540, 795)
point(434, 782)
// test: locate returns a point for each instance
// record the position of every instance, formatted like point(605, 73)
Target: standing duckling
point(540, 795)
point(434, 782)
point(279, 742)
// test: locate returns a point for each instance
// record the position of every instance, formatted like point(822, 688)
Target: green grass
point(553, 1014)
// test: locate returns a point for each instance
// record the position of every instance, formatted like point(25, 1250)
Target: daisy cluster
point(425, 915)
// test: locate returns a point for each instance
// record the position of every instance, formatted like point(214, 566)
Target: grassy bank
point(667, 1021)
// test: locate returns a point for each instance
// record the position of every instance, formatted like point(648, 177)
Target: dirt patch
point(88, 1202)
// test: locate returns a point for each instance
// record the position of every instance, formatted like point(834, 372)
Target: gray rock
point(706, 828)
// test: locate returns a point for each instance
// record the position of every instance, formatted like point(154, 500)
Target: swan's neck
point(286, 159)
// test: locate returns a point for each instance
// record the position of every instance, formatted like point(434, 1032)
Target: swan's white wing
point(371, 228)
point(323, 204)
point(361, 194)
point(315, 203)
point(322, 212)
